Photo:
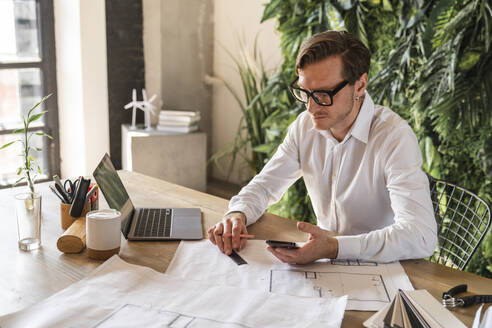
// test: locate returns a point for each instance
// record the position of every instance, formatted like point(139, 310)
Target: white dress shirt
point(369, 188)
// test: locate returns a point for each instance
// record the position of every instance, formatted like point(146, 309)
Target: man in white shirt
point(361, 164)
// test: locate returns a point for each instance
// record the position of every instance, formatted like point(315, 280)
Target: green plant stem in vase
point(28, 204)
point(30, 169)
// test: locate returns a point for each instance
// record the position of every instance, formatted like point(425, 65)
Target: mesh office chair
point(462, 219)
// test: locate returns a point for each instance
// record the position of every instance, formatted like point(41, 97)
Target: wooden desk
point(28, 277)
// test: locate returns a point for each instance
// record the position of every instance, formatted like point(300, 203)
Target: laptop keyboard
point(154, 222)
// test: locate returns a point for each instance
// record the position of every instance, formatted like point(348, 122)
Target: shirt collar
point(362, 125)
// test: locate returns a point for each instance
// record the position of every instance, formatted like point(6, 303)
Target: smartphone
point(283, 244)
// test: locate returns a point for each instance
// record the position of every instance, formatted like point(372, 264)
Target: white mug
point(103, 233)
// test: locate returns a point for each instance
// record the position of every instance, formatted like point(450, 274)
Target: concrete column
point(80, 32)
point(187, 57)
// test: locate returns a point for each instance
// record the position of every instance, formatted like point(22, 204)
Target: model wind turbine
point(134, 104)
point(146, 106)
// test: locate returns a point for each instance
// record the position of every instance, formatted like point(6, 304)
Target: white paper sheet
point(369, 285)
point(118, 294)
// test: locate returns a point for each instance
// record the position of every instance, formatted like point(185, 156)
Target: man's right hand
point(226, 233)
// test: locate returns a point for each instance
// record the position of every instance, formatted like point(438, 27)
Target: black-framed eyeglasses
point(321, 97)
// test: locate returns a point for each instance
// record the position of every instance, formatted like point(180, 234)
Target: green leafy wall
point(431, 63)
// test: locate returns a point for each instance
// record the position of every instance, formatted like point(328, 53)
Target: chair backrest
point(463, 220)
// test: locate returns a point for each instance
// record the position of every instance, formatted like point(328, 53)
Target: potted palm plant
point(28, 203)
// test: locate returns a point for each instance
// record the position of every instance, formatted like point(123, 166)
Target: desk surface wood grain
point(28, 277)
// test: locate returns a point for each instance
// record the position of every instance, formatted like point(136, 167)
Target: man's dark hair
point(355, 56)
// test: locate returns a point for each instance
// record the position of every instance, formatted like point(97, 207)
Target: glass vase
point(28, 209)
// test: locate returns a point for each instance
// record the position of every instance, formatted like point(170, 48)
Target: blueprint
point(369, 286)
point(119, 294)
point(358, 286)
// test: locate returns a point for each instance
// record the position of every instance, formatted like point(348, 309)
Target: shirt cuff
point(245, 210)
point(348, 247)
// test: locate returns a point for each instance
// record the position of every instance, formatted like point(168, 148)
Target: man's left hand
point(321, 244)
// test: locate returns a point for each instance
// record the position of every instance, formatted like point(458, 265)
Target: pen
point(56, 178)
point(241, 235)
point(91, 192)
point(61, 189)
point(57, 195)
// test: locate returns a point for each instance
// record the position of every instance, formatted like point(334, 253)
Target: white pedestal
point(176, 158)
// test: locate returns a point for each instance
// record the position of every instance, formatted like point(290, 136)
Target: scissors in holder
point(71, 187)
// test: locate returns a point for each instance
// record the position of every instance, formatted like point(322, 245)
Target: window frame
point(47, 66)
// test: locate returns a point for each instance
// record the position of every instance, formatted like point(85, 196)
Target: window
point(27, 73)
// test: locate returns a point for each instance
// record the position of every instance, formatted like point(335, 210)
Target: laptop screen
point(113, 190)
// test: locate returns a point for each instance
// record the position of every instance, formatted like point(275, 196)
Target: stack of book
point(179, 121)
point(411, 309)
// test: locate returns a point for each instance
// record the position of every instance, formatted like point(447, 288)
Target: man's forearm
point(399, 241)
point(270, 184)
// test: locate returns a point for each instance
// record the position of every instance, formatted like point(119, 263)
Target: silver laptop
point(146, 223)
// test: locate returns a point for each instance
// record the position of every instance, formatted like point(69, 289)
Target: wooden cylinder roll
point(73, 239)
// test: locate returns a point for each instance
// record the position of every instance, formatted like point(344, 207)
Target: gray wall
point(186, 57)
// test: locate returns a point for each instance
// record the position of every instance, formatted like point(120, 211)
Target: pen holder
point(66, 218)
point(73, 239)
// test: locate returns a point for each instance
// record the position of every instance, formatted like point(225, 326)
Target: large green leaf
point(262, 149)
point(37, 104)
point(469, 60)
point(271, 10)
point(36, 117)
point(7, 145)
point(42, 134)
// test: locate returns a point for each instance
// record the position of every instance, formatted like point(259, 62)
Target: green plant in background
point(30, 167)
point(250, 133)
point(431, 63)
point(439, 79)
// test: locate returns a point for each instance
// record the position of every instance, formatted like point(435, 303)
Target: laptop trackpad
point(187, 223)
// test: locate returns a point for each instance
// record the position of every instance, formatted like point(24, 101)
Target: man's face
point(326, 75)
